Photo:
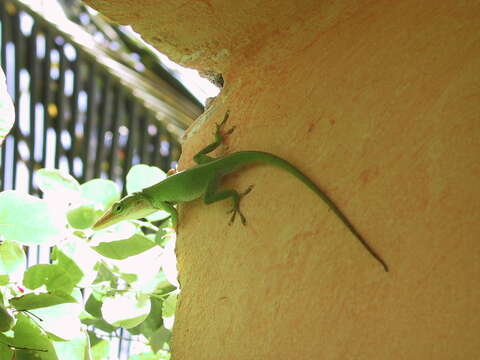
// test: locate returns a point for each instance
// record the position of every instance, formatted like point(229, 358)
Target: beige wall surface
point(379, 103)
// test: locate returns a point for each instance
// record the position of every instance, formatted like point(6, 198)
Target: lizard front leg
point(169, 208)
point(201, 157)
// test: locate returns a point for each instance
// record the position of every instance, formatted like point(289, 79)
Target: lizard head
point(134, 206)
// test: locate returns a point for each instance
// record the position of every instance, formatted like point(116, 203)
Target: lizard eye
point(117, 207)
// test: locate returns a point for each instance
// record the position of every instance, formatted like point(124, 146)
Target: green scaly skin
point(202, 180)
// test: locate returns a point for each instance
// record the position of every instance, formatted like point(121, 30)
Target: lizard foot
point(236, 208)
point(220, 126)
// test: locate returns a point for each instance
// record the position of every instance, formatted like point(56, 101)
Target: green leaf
point(129, 278)
point(54, 276)
point(126, 310)
point(27, 334)
point(123, 249)
point(94, 339)
point(57, 181)
point(169, 305)
point(100, 348)
point(12, 257)
point(69, 268)
point(99, 324)
point(7, 111)
point(141, 176)
point(100, 191)
point(5, 352)
point(61, 321)
point(7, 321)
point(29, 220)
point(160, 338)
point(36, 301)
point(62, 276)
point(165, 287)
point(156, 284)
point(104, 274)
point(82, 217)
point(85, 260)
point(94, 306)
point(153, 321)
point(4, 280)
point(75, 349)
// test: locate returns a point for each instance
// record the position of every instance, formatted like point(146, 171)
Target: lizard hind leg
point(201, 157)
point(211, 196)
point(236, 207)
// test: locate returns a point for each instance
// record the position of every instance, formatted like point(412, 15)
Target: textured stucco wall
point(377, 101)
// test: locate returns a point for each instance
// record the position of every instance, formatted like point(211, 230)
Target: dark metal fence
point(75, 113)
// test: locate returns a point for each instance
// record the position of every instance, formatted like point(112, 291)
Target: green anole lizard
point(202, 180)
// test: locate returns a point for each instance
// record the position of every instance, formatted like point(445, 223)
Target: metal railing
point(78, 109)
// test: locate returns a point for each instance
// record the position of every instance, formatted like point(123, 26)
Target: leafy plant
point(97, 283)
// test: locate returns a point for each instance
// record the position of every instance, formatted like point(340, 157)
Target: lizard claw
point(232, 219)
point(236, 208)
point(246, 191)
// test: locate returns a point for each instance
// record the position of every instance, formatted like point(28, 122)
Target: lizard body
point(202, 180)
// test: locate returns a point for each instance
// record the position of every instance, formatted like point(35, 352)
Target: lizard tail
point(264, 157)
